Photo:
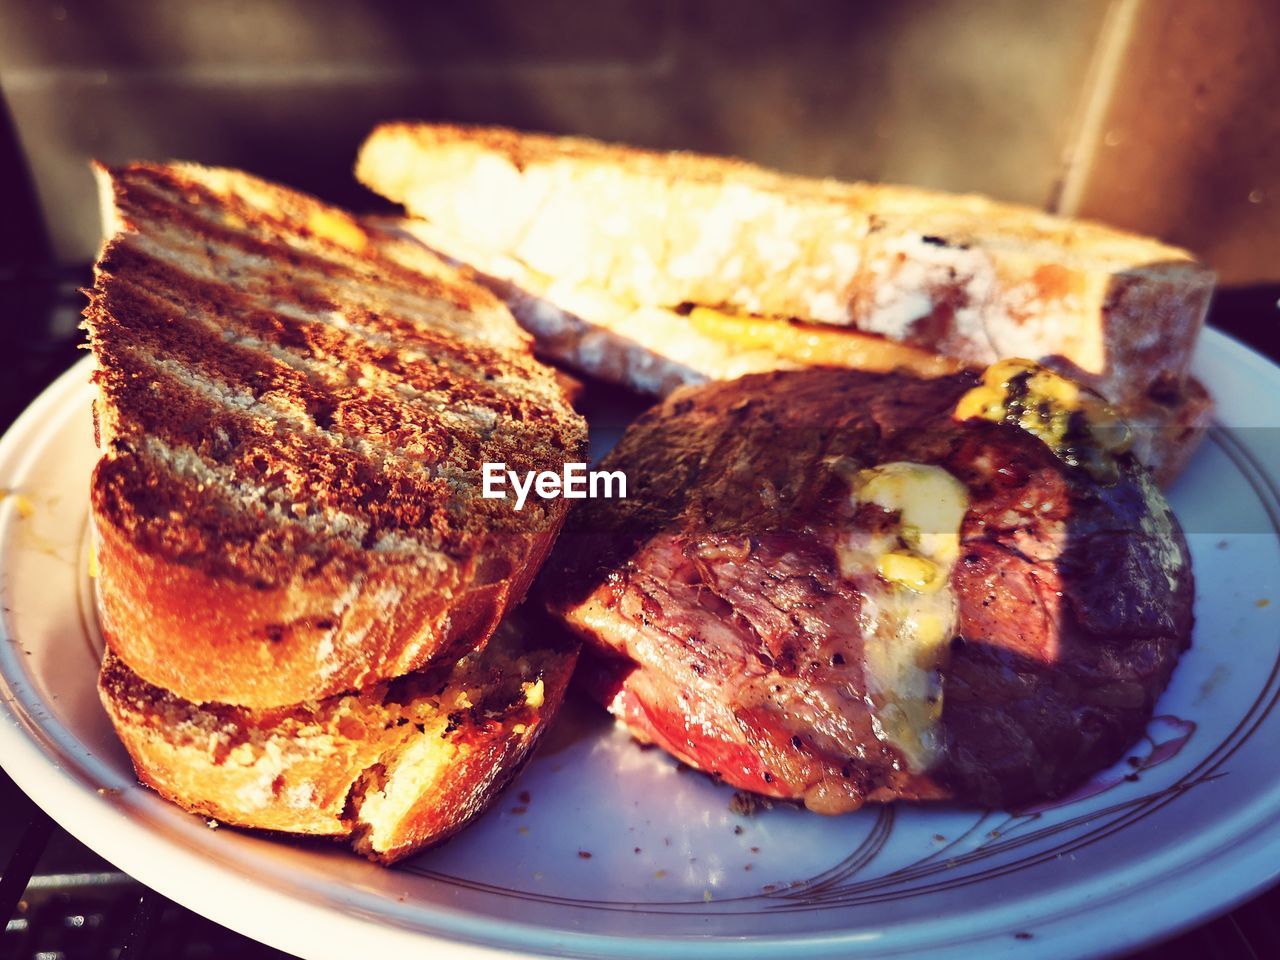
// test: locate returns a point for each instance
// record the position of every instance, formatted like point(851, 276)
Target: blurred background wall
point(1158, 115)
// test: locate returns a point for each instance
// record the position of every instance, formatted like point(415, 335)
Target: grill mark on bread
point(254, 231)
point(469, 378)
point(265, 241)
point(256, 500)
point(400, 314)
point(216, 534)
point(227, 490)
point(321, 385)
point(319, 401)
point(378, 435)
point(282, 450)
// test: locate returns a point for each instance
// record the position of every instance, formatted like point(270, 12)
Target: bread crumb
point(584, 854)
point(1264, 602)
point(659, 874)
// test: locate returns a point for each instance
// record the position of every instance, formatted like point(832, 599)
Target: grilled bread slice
point(293, 414)
point(965, 276)
point(398, 766)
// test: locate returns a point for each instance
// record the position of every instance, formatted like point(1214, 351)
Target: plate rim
point(212, 887)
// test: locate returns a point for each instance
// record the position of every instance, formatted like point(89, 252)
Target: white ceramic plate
point(603, 849)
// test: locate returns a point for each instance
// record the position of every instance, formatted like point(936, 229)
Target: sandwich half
point(662, 269)
point(293, 412)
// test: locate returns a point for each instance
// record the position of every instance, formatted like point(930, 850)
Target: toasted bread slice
point(398, 766)
point(293, 414)
point(960, 275)
point(656, 349)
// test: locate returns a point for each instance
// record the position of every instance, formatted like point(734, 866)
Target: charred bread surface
point(966, 276)
point(293, 412)
point(723, 623)
point(398, 766)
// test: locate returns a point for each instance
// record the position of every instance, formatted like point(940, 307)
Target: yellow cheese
point(908, 616)
point(929, 501)
point(814, 344)
point(908, 570)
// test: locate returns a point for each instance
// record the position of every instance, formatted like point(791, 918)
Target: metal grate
point(51, 913)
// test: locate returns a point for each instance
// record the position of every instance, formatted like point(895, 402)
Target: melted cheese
point(903, 569)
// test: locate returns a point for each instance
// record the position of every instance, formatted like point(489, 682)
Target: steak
point(825, 587)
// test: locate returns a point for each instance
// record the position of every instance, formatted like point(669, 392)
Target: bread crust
point(962, 275)
point(313, 768)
